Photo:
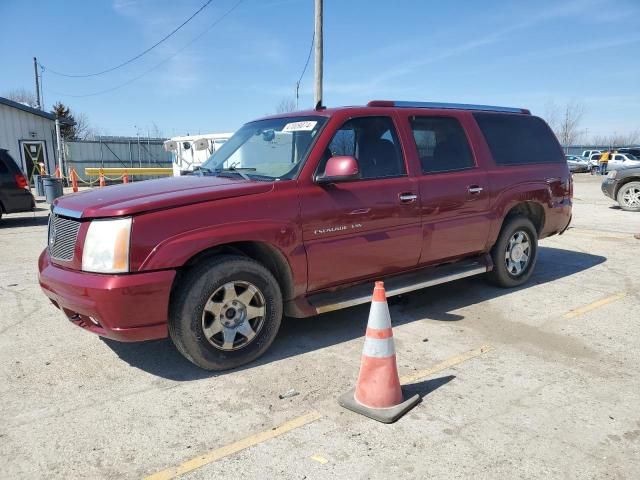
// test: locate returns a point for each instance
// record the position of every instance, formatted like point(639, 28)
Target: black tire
point(501, 274)
point(187, 318)
point(629, 204)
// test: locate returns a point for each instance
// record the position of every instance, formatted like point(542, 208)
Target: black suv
point(14, 189)
point(624, 186)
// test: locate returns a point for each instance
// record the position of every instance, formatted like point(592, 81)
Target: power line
point(130, 81)
point(313, 39)
point(132, 59)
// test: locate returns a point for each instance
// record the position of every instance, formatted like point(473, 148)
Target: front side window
point(374, 144)
point(267, 149)
point(442, 144)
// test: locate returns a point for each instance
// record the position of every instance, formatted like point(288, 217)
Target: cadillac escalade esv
point(297, 214)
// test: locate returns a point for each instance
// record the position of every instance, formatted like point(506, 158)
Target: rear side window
point(4, 158)
point(441, 143)
point(519, 139)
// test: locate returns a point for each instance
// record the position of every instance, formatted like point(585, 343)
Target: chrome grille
point(63, 233)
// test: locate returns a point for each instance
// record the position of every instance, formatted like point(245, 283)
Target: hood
point(132, 198)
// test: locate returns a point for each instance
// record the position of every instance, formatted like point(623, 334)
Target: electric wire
point(130, 81)
point(313, 40)
point(132, 59)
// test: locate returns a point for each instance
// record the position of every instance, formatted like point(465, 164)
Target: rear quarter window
point(4, 159)
point(519, 139)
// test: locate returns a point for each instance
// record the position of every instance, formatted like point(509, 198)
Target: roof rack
point(452, 106)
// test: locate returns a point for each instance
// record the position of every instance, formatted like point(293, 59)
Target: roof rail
point(452, 106)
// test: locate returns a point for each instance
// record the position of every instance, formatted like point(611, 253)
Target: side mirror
point(339, 169)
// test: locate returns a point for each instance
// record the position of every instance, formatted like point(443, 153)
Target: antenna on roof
point(319, 105)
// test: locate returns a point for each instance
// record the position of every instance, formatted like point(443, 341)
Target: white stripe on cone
point(378, 347)
point(379, 317)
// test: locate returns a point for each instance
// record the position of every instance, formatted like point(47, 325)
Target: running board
point(408, 282)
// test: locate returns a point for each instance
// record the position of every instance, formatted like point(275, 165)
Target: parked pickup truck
point(298, 214)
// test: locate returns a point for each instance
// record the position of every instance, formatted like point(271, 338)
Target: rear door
point(367, 227)
point(453, 187)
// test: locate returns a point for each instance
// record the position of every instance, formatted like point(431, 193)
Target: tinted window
point(4, 159)
point(374, 144)
point(441, 143)
point(519, 139)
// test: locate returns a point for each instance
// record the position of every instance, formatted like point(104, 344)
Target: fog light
point(94, 321)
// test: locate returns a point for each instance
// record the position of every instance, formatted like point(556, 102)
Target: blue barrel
point(52, 188)
point(37, 182)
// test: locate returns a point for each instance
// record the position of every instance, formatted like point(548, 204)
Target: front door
point(368, 227)
point(34, 154)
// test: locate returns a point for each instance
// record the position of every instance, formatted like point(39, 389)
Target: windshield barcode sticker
point(299, 126)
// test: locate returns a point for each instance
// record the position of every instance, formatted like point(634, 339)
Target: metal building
point(28, 134)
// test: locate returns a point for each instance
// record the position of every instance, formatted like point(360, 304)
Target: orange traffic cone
point(125, 177)
point(102, 183)
point(378, 394)
point(57, 173)
point(74, 180)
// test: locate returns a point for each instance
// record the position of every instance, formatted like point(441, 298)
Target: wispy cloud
point(526, 20)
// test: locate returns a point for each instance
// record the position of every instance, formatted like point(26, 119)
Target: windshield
point(267, 149)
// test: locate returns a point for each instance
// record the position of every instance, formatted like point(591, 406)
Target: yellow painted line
point(319, 459)
point(592, 306)
point(235, 447)
point(93, 171)
point(450, 362)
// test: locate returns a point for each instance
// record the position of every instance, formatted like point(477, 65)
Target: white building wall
point(16, 125)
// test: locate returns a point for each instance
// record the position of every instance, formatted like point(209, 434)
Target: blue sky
point(527, 54)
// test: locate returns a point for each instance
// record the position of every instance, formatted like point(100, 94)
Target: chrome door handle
point(408, 197)
point(474, 189)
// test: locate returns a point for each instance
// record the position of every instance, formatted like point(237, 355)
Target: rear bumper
point(557, 218)
point(127, 308)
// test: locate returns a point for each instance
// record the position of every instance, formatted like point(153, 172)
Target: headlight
point(106, 246)
point(612, 174)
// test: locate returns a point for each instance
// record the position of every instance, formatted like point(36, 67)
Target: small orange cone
point(125, 177)
point(102, 183)
point(74, 180)
point(57, 173)
point(378, 394)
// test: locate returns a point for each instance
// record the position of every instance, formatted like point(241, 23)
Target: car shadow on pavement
point(300, 336)
point(9, 221)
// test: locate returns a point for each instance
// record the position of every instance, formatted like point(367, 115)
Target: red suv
point(298, 214)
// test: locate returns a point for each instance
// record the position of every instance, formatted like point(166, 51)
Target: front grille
point(63, 233)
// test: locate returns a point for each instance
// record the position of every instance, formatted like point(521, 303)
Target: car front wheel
point(225, 313)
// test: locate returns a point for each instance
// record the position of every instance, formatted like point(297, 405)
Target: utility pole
point(35, 70)
point(318, 54)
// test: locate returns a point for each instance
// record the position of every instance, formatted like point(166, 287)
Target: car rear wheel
point(629, 197)
point(225, 313)
point(515, 253)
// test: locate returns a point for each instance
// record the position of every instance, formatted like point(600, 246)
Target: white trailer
point(191, 151)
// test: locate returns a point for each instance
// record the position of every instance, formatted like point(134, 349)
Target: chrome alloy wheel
point(233, 315)
point(631, 197)
point(518, 253)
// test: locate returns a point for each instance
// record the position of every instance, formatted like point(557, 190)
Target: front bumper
point(609, 187)
point(127, 308)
